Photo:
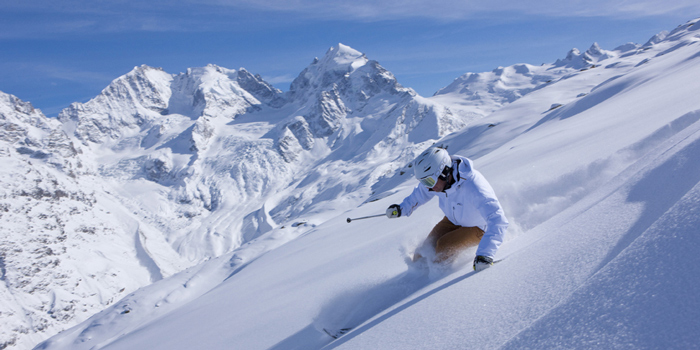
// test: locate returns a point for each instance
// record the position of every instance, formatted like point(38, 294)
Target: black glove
point(394, 211)
point(482, 262)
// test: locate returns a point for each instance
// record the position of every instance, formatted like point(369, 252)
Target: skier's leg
point(441, 228)
point(453, 242)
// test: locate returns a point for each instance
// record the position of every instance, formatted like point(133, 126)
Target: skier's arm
point(496, 225)
point(491, 210)
point(418, 197)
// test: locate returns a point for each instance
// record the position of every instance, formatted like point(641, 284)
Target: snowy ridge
point(478, 94)
point(267, 184)
point(146, 93)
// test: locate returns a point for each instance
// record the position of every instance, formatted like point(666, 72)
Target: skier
point(473, 215)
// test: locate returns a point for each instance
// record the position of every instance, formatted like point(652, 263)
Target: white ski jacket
point(469, 202)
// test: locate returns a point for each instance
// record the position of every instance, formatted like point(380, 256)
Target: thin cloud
point(280, 79)
point(56, 72)
point(46, 17)
point(462, 9)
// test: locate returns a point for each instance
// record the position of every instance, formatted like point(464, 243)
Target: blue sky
point(57, 52)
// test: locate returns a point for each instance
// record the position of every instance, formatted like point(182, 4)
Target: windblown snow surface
point(598, 171)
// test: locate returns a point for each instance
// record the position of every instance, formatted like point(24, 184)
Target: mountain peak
point(578, 60)
point(656, 38)
point(143, 70)
point(338, 64)
point(12, 102)
point(595, 50)
point(342, 57)
point(344, 54)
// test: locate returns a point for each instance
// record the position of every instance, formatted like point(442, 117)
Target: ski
point(337, 334)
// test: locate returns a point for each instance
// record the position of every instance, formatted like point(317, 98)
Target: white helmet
point(430, 165)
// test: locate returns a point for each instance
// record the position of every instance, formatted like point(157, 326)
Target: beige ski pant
point(449, 240)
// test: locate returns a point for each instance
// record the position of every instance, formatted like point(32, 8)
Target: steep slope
point(610, 191)
point(598, 191)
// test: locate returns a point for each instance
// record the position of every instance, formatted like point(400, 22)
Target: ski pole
point(366, 217)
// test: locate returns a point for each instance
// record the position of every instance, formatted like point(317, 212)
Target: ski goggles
point(431, 180)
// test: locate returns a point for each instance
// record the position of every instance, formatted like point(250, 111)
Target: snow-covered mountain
point(213, 164)
point(67, 247)
point(475, 95)
point(162, 171)
point(245, 190)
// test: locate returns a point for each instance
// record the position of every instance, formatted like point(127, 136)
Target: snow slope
point(597, 171)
